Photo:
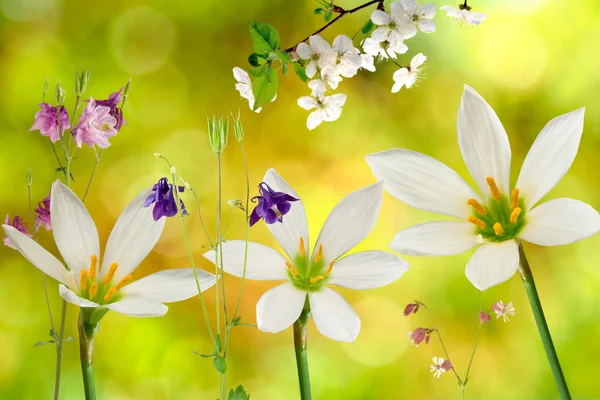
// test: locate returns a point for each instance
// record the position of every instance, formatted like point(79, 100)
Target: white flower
point(408, 76)
point(503, 311)
point(244, 86)
point(348, 56)
point(133, 237)
point(381, 49)
point(464, 16)
point(318, 52)
point(421, 15)
point(330, 77)
point(368, 62)
point(439, 366)
point(306, 275)
point(503, 217)
point(327, 108)
point(395, 26)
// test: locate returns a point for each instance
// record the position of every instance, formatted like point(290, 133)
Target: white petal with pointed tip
point(350, 221)
point(333, 316)
point(367, 270)
point(483, 142)
point(560, 221)
point(437, 238)
point(74, 230)
point(380, 17)
point(134, 235)
point(73, 298)
point(422, 182)
point(170, 285)
point(550, 156)
point(263, 264)
point(279, 308)
point(138, 307)
point(493, 263)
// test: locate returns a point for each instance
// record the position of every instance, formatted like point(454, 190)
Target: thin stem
point(59, 348)
point(393, 59)
point(77, 99)
point(540, 320)
point(87, 190)
point(87, 333)
point(59, 162)
point(300, 345)
point(475, 345)
point(219, 268)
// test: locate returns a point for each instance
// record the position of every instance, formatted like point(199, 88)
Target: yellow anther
point(111, 273)
point(319, 253)
point(317, 279)
point(124, 281)
point(514, 199)
point(83, 279)
point(328, 270)
point(498, 229)
point(476, 221)
point(93, 266)
point(476, 206)
point(514, 215)
point(93, 290)
point(302, 250)
point(291, 268)
point(493, 187)
point(111, 292)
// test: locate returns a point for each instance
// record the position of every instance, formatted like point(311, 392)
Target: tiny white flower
point(381, 49)
point(421, 15)
point(348, 56)
point(439, 366)
point(244, 86)
point(330, 76)
point(464, 16)
point(408, 76)
point(503, 311)
point(327, 108)
point(318, 52)
point(395, 26)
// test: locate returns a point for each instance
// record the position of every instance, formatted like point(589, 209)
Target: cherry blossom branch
point(341, 12)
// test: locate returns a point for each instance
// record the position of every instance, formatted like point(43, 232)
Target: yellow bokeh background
point(530, 60)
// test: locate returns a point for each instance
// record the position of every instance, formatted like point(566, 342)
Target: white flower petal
point(73, 228)
point(367, 270)
point(314, 119)
point(311, 69)
point(342, 44)
point(381, 34)
point(422, 182)
point(295, 224)
point(438, 238)
point(170, 285)
point(483, 142)
point(426, 11)
point(550, 156)
point(350, 221)
point(279, 308)
point(493, 263)
point(333, 316)
point(560, 221)
point(380, 17)
point(36, 254)
point(241, 76)
point(138, 307)
point(417, 61)
point(134, 235)
point(318, 44)
point(263, 263)
point(304, 51)
point(72, 297)
point(307, 102)
point(427, 26)
point(409, 7)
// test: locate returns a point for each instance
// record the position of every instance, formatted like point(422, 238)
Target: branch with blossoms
point(324, 66)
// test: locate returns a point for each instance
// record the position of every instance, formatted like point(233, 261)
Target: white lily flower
point(306, 275)
point(392, 27)
point(381, 49)
point(318, 52)
point(327, 108)
point(503, 217)
point(419, 15)
point(348, 56)
point(132, 238)
point(464, 16)
point(409, 76)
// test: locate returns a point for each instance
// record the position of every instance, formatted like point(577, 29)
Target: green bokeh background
point(531, 60)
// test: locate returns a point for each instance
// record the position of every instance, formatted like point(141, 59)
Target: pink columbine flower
point(503, 311)
point(46, 121)
point(484, 317)
point(95, 126)
point(440, 366)
point(113, 102)
point(19, 225)
point(43, 214)
point(418, 336)
point(412, 308)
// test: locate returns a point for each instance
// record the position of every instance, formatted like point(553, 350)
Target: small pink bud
point(484, 317)
point(410, 309)
point(418, 336)
point(446, 365)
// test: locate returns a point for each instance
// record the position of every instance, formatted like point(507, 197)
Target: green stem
point(87, 190)
point(87, 332)
point(300, 343)
point(437, 331)
point(59, 348)
point(540, 320)
point(219, 268)
point(474, 347)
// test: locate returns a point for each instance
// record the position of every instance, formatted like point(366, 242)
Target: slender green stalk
point(87, 333)
point(98, 158)
point(474, 346)
point(300, 344)
point(219, 270)
point(540, 320)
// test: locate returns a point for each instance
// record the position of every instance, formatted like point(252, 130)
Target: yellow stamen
point(317, 279)
point(476, 206)
point(493, 187)
point(111, 273)
point(124, 281)
point(476, 221)
point(498, 229)
point(110, 294)
point(514, 199)
point(319, 253)
point(291, 268)
point(328, 270)
point(302, 250)
point(93, 266)
point(93, 290)
point(515, 215)
point(83, 279)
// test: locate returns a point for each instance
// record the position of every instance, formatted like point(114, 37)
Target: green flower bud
point(218, 134)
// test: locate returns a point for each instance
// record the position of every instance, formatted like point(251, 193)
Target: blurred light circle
point(28, 10)
point(142, 40)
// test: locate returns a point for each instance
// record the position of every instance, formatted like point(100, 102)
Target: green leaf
point(300, 71)
point(264, 37)
point(236, 321)
point(38, 344)
point(284, 56)
point(253, 60)
point(368, 27)
point(318, 11)
point(328, 15)
point(265, 87)
point(238, 394)
point(284, 69)
point(260, 71)
point(219, 346)
point(220, 364)
point(203, 355)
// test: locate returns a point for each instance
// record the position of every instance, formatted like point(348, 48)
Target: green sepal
point(94, 315)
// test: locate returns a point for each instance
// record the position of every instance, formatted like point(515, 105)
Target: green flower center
point(101, 291)
point(309, 273)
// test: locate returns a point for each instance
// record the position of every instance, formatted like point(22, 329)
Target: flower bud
point(235, 203)
point(411, 308)
point(218, 134)
point(418, 336)
point(484, 317)
point(446, 365)
point(29, 177)
point(60, 94)
point(82, 79)
point(238, 129)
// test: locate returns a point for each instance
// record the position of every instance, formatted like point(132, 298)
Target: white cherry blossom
point(407, 77)
point(464, 16)
point(327, 108)
point(318, 53)
point(348, 56)
point(395, 26)
point(418, 15)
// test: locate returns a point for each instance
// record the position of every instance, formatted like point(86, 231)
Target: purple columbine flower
point(43, 214)
point(272, 205)
point(19, 225)
point(46, 121)
point(163, 199)
point(112, 103)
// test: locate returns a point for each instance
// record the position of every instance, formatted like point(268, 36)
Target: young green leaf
point(284, 56)
point(253, 60)
point(264, 37)
point(43, 343)
point(238, 394)
point(367, 27)
point(220, 364)
point(300, 71)
point(203, 355)
point(260, 71)
point(328, 15)
point(265, 88)
point(318, 11)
